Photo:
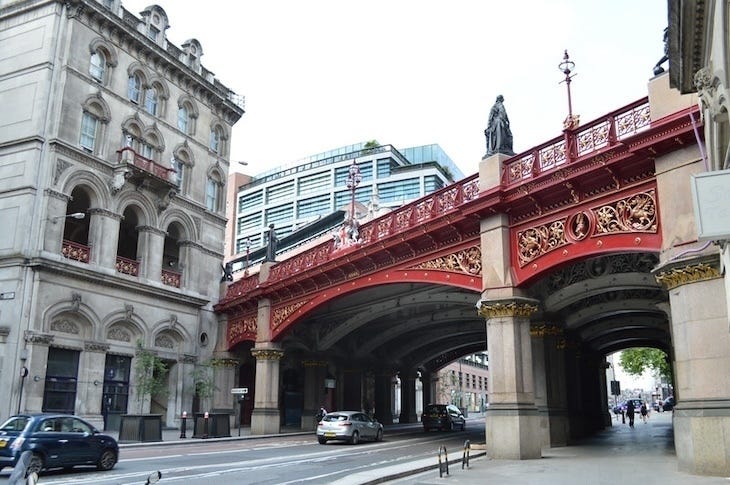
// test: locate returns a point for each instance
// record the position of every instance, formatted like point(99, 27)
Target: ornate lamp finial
point(566, 67)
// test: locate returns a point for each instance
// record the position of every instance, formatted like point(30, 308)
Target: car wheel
point(107, 460)
point(35, 465)
point(322, 440)
point(379, 435)
point(355, 438)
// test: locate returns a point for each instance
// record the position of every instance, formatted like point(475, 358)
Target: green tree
point(371, 144)
point(150, 373)
point(635, 361)
point(204, 381)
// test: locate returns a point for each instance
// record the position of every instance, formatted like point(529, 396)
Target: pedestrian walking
point(320, 414)
point(630, 410)
point(644, 412)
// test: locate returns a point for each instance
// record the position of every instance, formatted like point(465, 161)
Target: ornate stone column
point(265, 417)
point(90, 385)
point(512, 421)
point(699, 323)
point(384, 396)
point(408, 396)
point(104, 237)
point(37, 362)
point(537, 332)
point(150, 252)
point(315, 372)
point(224, 379)
point(556, 387)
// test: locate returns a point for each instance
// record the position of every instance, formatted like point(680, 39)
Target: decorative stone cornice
point(98, 211)
point(151, 230)
point(691, 273)
point(224, 362)
point(540, 331)
point(188, 359)
point(517, 307)
point(99, 347)
point(267, 354)
point(57, 195)
point(38, 338)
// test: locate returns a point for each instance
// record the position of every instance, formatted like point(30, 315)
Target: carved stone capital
point(99, 347)
point(98, 211)
point(38, 338)
point(314, 363)
point(516, 307)
point(224, 363)
point(691, 273)
point(267, 354)
point(151, 230)
point(188, 359)
point(58, 195)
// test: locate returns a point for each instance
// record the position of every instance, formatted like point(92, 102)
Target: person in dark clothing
point(320, 414)
point(630, 410)
point(644, 412)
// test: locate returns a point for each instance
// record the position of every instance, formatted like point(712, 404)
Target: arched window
point(183, 119)
point(95, 114)
point(213, 192)
point(97, 66)
point(216, 140)
point(134, 88)
point(89, 130)
point(151, 100)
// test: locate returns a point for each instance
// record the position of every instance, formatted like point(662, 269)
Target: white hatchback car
point(350, 426)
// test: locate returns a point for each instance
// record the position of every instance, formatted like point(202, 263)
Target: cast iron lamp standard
point(566, 67)
point(247, 245)
point(353, 180)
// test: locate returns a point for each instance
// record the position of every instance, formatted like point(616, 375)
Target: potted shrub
point(150, 374)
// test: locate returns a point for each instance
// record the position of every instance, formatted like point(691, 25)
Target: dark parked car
point(56, 441)
point(622, 406)
point(350, 426)
point(669, 403)
point(442, 416)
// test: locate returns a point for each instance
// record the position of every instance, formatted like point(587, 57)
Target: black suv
point(442, 416)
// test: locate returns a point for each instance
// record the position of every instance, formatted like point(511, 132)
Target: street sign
point(239, 390)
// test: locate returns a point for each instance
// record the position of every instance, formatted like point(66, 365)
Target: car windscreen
point(15, 423)
point(335, 417)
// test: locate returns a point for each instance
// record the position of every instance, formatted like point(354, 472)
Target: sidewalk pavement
point(619, 454)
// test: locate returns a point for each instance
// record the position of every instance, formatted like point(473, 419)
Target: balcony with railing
point(170, 278)
point(144, 172)
point(127, 266)
point(75, 251)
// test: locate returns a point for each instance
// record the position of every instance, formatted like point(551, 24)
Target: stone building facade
point(114, 153)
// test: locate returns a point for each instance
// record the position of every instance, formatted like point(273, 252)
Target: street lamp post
point(566, 68)
point(353, 180)
point(247, 245)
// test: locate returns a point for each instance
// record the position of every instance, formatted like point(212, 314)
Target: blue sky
point(320, 74)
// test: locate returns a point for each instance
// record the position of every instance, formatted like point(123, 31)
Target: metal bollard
point(465, 456)
point(183, 425)
point(205, 425)
point(445, 464)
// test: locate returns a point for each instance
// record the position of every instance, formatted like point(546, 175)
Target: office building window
point(151, 100)
point(314, 206)
point(314, 183)
point(279, 192)
point(399, 191)
point(279, 215)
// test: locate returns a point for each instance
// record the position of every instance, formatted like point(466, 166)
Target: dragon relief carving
point(636, 213)
point(467, 261)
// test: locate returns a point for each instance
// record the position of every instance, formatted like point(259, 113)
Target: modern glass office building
point(297, 194)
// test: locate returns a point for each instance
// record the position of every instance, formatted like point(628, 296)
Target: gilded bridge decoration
point(467, 261)
point(242, 328)
point(504, 308)
point(267, 354)
point(281, 313)
point(687, 274)
point(636, 213)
